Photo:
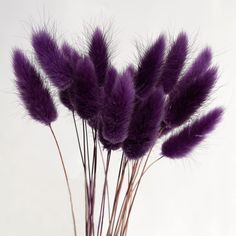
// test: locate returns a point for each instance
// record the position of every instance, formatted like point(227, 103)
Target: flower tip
point(207, 53)
point(180, 144)
point(34, 95)
point(98, 33)
point(160, 43)
point(17, 55)
point(99, 54)
point(182, 41)
point(40, 37)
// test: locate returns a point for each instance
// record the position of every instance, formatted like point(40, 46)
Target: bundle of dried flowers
point(129, 110)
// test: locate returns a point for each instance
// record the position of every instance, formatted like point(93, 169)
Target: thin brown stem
point(135, 168)
point(87, 146)
point(107, 188)
point(120, 179)
point(66, 178)
point(144, 170)
point(150, 165)
point(93, 183)
point(87, 207)
point(77, 136)
point(102, 207)
point(134, 196)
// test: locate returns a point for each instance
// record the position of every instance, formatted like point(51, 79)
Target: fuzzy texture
point(70, 54)
point(98, 52)
point(51, 59)
point(86, 94)
point(35, 96)
point(174, 63)
point(107, 144)
point(94, 122)
point(181, 144)
point(149, 68)
point(200, 65)
point(73, 58)
point(110, 79)
point(65, 98)
point(131, 70)
point(118, 108)
point(188, 97)
point(144, 125)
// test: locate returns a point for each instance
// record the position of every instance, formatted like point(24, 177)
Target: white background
point(191, 197)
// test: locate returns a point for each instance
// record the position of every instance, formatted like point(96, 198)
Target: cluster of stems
point(112, 214)
point(128, 110)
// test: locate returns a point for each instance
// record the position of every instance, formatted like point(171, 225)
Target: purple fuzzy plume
point(73, 58)
point(70, 54)
point(86, 94)
point(36, 98)
point(199, 66)
point(110, 79)
point(65, 98)
point(174, 63)
point(144, 126)
point(149, 68)
point(181, 144)
point(98, 52)
point(131, 70)
point(118, 108)
point(51, 59)
point(107, 144)
point(188, 97)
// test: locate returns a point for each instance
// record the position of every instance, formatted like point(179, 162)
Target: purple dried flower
point(98, 52)
point(35, 96)
point(94, 122)
point(200, 65)
point(65, 98)
point(149, 68)
point(131, 70)
point(106, 89)
point(51, 59)
point(144, 125)
point(110, 79)
point(106, 144)
point(73, 57)
point(174, 63)
point(181, 144)
point(188, 97)
point(70, 54)
point(86, 94)
point(118, 108)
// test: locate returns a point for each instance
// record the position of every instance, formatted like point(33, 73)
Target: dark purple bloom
point(107, 144)
point(144, 126)
point(86, 94)
point(110, 79)
point(182, 143)
point(118, 108)
point(65, 98)
point(70, 54)
point(131, 70)
point(188, 97)
point(174, 63)
point(200, 65)
point(149, 68)
point(98, 52)
point(93, 122)
point(35, 96)
point(106, 89)
point(73, 58)
point(51, 59)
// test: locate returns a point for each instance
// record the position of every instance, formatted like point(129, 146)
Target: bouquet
point(129, 111)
